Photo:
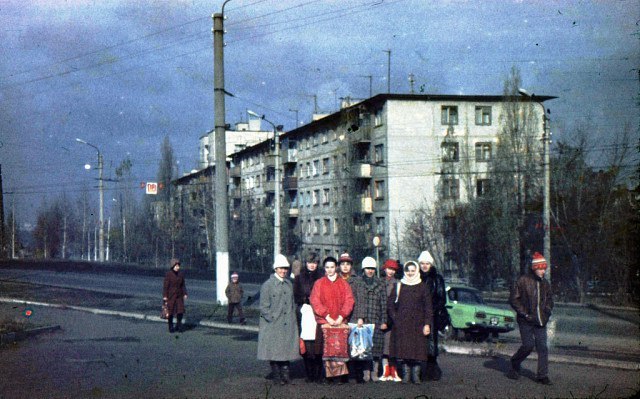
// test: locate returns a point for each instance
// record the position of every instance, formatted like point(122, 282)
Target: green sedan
point(472, 318)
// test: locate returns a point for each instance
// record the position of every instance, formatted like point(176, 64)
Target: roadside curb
point(452, 349)
point(11, 337)
point(583, 361)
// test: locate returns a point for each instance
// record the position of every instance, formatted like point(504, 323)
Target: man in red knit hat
point(532, 300)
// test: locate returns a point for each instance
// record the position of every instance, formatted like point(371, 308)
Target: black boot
point(308, 369)
point(275, 372)
point(170, 320)
point(415, 373)
point(285, 376)
point(179, 326)
point(433, 370)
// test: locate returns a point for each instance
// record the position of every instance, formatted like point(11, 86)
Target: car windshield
point(465, 296)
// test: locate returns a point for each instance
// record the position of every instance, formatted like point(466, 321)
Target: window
point(326, 226)
point(325, 166)
point(336, 225)
point(378, 187)
point(377, 118)
point(451, 188)
point(316, 197)
point(316, 226)
point(450, 152)
point(316, 167)
point(315, 140)
point(308, 199)
point(380, 226)
point(449, 115)
point(482, 187)
point(309, 172)
point(325, 196)
point(449, 226)
point(483, 152)
point(483, 116)
point(323, 138)
point(378, 154)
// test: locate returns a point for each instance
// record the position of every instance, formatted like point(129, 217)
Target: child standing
point(234, 294)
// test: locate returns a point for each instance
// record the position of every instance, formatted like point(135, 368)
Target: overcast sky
point(122, 74)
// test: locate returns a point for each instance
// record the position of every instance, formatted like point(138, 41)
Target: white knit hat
point(280, 261)
point(369, 263)
point(425, 256)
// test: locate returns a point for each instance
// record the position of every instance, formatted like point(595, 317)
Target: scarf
point(368, 280)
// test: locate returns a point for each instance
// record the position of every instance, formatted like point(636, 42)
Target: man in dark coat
point(174, 292)
point(532, 300)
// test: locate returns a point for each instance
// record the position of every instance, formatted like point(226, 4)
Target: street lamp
point(101, 191)
point(546, 206)
point(276, 204)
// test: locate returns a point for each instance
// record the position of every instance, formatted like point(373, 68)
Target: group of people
point(320, 311)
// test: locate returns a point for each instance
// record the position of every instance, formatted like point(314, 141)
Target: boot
point(406, 373)
point(275, 372)
point(374, 372)
point(415, 374)
point(285, 377)
point(386, 373)
point(170, 320)
point(179, 326)
point(434, 373)
point(308, 369)
point(394, 374)
point(366, 375)
point(317, 370)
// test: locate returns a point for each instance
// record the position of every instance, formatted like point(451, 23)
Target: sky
point(124, 74)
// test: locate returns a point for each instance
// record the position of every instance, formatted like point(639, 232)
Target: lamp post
point(101, 195)
point(546, 205)
point(276, 202)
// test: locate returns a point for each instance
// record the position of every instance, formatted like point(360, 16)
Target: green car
point(472, 318)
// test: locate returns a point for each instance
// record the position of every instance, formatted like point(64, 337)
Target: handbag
point(164, 313)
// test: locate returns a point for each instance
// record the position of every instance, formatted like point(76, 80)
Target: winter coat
point(532, 299)
point(278, 328)
point(303, 284)
point(234, 292)
point(371, 306)
point(434, 283)
point(331, 298)
point(389, 285)
point(174, 289)
point(409, 314)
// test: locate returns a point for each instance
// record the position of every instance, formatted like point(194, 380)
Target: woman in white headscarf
point(409, 308)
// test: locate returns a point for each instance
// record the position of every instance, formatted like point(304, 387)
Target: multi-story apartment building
point(362, 172)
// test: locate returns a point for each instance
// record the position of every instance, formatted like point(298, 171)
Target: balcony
point(235, 171)
point(290, 155)
point(361, 170)
point(269, 186)
point(362, 135)
point(270, 161)
point(290, 183)
point(366, 205)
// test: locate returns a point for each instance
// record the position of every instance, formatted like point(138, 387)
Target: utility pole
point(220, 188)
point(388, 70)
point(13, 229)
point(2, 236)
point(411, 82)
point(101, 195)
point(315, 102)
point(296, 112)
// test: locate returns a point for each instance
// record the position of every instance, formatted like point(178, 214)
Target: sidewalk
point(601, 358)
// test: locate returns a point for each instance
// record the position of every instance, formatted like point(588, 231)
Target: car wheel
point(451, 333)
point(480, 336)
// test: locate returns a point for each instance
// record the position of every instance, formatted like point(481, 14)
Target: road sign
point(152, 188)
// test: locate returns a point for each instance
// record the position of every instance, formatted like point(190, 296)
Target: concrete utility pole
point(221, 195)
point(388, 70)
point(276, 177)
point(101, 195)
point(546, 191)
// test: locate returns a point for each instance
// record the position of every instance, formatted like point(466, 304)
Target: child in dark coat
point(234, 294)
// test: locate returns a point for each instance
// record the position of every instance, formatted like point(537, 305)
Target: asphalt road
point(575, 330)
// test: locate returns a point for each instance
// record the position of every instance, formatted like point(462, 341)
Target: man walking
point(532, 300)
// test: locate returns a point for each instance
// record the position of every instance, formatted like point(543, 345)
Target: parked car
point(471, 318)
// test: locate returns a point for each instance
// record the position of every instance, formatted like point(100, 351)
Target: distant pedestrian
point(532, 299)
point(389, 367)
point(278, 329)
point(409, 308)
point(234, 293)
point(302, 286)
point(434, 283)
point(174, 293)
point(370, 307)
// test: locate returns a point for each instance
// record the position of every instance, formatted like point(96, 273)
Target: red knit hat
point(390, 264)
point(345, 257)
point(538, 262)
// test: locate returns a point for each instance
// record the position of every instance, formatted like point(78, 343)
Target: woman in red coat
point(174, 292)
point(332, 303)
